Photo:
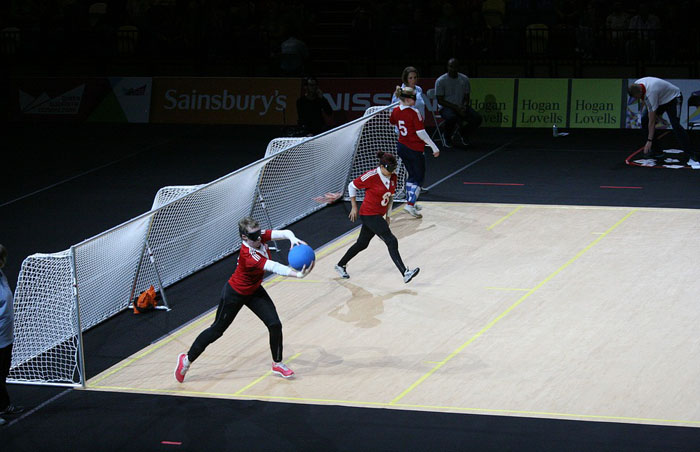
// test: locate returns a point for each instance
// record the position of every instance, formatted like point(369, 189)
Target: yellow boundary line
point(511, 213)
point(259, 379)
point(507, 311)
point(440, 408)
point(395, 402)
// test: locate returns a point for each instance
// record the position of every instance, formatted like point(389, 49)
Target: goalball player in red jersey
point(244, 288)
point(379, 185)
point(411, 145)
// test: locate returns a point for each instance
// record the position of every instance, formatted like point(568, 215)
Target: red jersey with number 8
point(408, 120)
point(251, 266)
point(377, 193)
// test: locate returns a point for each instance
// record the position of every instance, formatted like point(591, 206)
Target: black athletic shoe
point(11, 410)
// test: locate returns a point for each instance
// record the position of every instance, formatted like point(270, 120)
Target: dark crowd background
point(349, 38)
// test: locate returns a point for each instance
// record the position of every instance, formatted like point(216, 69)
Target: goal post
point(59, 296)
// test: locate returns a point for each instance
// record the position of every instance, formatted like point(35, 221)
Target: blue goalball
point(301, 255)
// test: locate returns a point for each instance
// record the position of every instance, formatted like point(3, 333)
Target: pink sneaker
point(282, 370)
point(181, 368)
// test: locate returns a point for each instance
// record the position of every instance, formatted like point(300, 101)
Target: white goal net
point(61, 295)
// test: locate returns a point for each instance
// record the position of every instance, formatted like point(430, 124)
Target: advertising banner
point(595, 103)
point(541, 102)
point(267, 101)
point(633, 113)
point(116, 99)
point(493, 98)
point(232, 100)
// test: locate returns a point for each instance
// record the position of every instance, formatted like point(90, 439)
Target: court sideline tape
point(508, 310)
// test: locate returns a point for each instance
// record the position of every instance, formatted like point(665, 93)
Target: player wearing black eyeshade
point(244, 288)
point(379, 185)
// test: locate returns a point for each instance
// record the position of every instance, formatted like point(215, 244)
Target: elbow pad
point(352, 190)
point(282, 234)
point(277, 268)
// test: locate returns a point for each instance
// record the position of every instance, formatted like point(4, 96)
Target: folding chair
point(694, 101)
point(437, 119)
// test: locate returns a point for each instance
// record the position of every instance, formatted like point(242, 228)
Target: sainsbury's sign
point(266, 101)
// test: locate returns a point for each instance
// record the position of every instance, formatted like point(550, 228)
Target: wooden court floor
point(587, 313)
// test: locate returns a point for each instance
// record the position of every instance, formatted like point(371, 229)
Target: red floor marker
point(491, 183)
point(172, 443)
point(615, 186)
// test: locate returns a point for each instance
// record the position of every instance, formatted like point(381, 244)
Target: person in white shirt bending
point(659, 97)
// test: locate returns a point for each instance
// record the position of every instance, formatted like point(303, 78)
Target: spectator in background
point(313, 108)
point(409, 77)
point(494, 13)
point(294, 55)
point(448, 31)
point(453, 92)
point(642, 43)
point(617, 21)
point(7, 338)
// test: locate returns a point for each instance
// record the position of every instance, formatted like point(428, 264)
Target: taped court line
point(331, 246)
point(505, 217)
point(84, 173)
point(509, 309)
point(158, 343)
point(394, 404)
point(495, 183)
point(474, 162)
point(197, 321)
point(616, 186)
point(566, 207)
point(38, 407)
point(261, 378)
point(507, 288)
point(436, 408)
point(353, 233)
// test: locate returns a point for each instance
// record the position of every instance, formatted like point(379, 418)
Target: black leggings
point(5, 361)
point(375, 225)
point(231, 303)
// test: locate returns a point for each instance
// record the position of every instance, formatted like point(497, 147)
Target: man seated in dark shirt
point(311, 108)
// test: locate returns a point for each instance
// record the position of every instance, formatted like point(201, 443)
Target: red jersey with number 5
point(409, 121)
point(378, 193)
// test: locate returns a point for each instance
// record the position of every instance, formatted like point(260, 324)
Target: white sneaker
point(411, 210)
point(342, 272)
point(408, 275)
point(418, 208)
point(693, 164)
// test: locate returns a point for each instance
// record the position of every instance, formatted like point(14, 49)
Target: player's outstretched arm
point(287, 234)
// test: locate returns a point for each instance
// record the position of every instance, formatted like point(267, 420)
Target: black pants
point(375, 225)
point(464, 125)
point(672, 109)
point(231, 303)
point(5, 361)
